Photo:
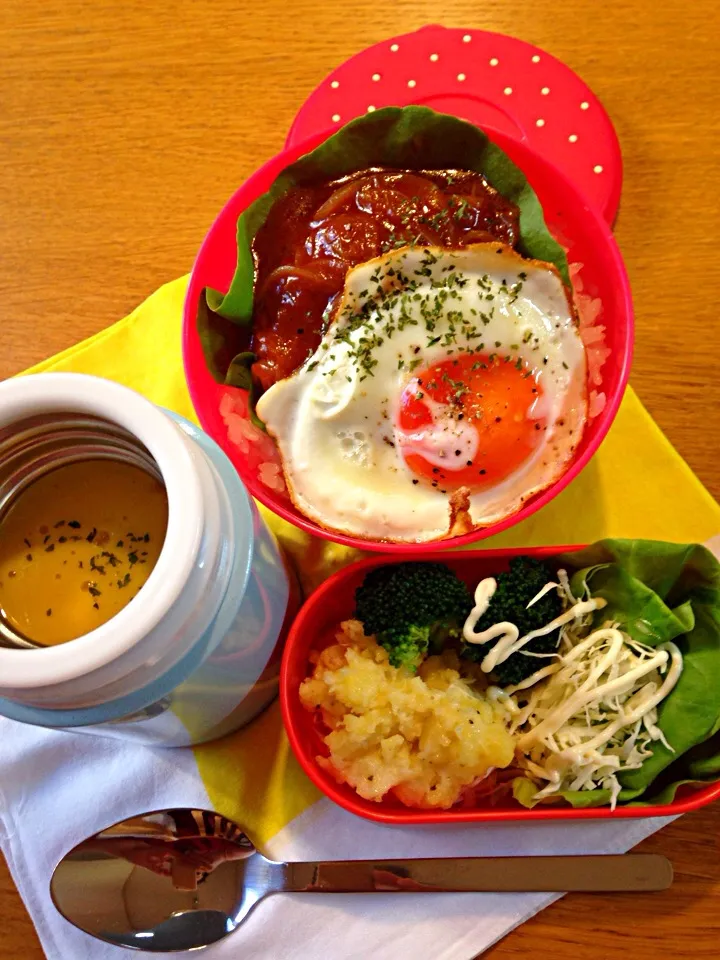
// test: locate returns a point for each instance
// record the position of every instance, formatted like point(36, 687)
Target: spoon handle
point(626, 872)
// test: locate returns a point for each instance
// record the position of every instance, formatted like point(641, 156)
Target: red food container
point(548, 122)
point(315, 627)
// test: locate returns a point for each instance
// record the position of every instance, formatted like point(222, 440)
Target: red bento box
point(315, 626)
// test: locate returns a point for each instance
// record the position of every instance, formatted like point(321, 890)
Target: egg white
point(334, 420)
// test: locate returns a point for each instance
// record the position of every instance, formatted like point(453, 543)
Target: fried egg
point(449, 388)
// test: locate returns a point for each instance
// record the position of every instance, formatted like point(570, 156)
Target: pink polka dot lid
point(500, 83)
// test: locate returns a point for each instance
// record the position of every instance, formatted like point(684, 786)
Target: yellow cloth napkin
point(635, 486)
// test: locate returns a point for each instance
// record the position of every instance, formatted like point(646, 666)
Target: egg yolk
point(470, 421)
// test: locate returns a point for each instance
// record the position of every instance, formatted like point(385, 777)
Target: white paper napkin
point(56, 788)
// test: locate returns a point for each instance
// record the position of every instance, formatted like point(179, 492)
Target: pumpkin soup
point(76, 546)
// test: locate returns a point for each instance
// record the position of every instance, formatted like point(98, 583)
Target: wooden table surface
point(125, 126)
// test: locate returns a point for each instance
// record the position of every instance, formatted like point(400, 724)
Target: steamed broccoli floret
point(515, 589)
point(412, 607)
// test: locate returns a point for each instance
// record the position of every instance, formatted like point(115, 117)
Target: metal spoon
point(182, 879)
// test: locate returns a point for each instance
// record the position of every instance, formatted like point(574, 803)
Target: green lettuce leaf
point(660, 591)
point(634, 606)
point(412, 138)
point(524, 792)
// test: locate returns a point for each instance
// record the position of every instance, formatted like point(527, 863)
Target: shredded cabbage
point(591, 713)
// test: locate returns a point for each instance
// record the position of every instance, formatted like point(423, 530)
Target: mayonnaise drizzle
point(506, 633)
point(646, 703)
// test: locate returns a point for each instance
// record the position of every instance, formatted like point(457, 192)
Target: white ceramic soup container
point(195, 654)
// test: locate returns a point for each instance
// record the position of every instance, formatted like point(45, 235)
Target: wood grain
point(124, 128)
